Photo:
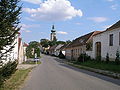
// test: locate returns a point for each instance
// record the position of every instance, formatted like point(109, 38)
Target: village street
point(52, 74)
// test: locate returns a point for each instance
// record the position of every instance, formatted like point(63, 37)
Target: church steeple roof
point(53, 28)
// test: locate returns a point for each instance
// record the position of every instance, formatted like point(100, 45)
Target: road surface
point(52, 74)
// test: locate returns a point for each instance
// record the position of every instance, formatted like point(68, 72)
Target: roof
point(114, 26)
point(64, 46)
point(25, 44)
point(82, 40)
point(53, 47)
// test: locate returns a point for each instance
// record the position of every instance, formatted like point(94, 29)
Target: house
point(63, 49)
point(20, 51)
point(80, 46)
point(24, 51)
point(52, 50)
point(57, 49)
point(107, 41)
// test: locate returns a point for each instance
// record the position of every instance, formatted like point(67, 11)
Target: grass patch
point(16, 80)
point(31, 62)
point(111, 66)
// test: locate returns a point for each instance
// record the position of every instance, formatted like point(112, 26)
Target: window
point(111, 40)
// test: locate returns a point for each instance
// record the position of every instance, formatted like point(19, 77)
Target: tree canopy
point(9, 20)
point(34, 47)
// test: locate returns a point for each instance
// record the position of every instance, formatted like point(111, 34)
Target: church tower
point(53, 34)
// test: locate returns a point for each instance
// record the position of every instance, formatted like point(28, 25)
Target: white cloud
point(62, 32)
point(78, 23)
point(98, 19)
point(27, 31)
point(114, 7)
point(26, 27)
point(33, 1)
point(110, 0)
point(54, 10)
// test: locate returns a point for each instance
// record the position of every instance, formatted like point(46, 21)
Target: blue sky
point(72, 18)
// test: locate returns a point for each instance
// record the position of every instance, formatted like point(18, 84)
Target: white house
point(107, 41)
point(20, 51)
point(24, 50)
point(57, 49)
point(13, 54)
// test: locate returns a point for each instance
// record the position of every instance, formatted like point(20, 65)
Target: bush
point(117, 61)
point(7, 70)
point(107, 58)
point(98, 58)
point(83, 58)
point(61, 55)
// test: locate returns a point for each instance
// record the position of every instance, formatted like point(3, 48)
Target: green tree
point(44, 42)
point(9, 20)
point(34, 47)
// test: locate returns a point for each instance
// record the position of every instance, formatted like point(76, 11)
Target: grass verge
point(111, 69)
point(32, 62)
point(111, 66)
point(14, 82)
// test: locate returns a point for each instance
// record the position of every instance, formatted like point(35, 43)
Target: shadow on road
point(106, 78)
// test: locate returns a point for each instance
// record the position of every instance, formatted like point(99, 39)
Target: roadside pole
point(36, 58)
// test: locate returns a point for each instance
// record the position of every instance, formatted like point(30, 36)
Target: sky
point(72, 18)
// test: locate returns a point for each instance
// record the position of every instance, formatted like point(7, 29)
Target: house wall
point(21, 54)
point(68, 53)
point(76, 52)
point(105, 48)
point(13, 54)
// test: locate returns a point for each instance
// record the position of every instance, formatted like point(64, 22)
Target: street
point(52, 74)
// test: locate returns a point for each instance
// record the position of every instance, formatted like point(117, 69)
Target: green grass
point(32, 62)
point(14, 82)
point(111, 66)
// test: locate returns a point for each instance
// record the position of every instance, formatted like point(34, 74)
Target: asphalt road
point(52, 74)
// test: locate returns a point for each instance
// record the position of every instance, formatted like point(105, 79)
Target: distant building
point(53, 34)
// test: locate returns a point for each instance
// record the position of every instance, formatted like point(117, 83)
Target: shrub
point(61, 55)
point(83, 58)
point(117, 61)
point(107, 58)
point(98, 58)
point(7, 70)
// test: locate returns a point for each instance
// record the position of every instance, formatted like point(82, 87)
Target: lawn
point(111, 66)
point(14, 82)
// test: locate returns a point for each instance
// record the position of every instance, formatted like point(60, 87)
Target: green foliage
point(107, 58)
point(83, 58)
point(111, 66)
point(98, 58)
point(32, 49)
point(44, 42)
point(61, 55)
point(7, 70)
point(89, 46)
point(9, 20)
point(117, 60)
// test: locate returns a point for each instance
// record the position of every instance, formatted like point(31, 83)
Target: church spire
point(53, 27)
point(53, 34)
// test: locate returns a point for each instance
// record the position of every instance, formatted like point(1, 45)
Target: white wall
point(105, 48)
